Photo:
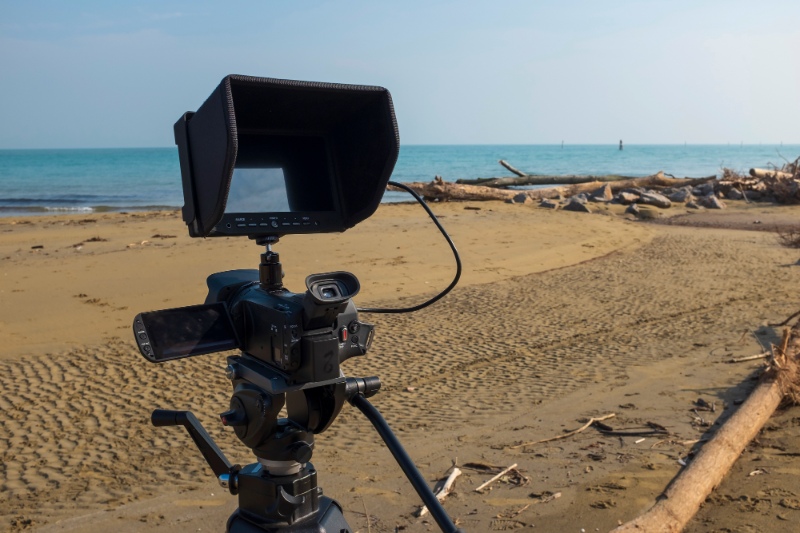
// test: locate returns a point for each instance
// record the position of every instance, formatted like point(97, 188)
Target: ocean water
point(96, 180)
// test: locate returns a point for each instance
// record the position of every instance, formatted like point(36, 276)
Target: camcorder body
point(304, 336)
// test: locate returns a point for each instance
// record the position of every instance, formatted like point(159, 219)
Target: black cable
point(452, 247)
point(438, 513)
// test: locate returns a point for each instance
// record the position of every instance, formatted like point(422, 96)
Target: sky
point(95, 74)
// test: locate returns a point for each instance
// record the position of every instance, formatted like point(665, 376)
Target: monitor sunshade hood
point(327, 150)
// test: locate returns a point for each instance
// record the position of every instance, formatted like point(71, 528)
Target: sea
point(64, 181)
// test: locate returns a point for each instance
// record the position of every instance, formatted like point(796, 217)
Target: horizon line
point(614, 144)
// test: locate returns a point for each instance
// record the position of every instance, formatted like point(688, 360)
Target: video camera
point(263, 158)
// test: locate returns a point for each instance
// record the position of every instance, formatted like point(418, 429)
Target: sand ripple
point(75, 430)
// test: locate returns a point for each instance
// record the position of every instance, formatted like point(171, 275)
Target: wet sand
point(559, 317)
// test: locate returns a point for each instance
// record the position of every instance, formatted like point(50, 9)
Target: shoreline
point(559, 316)
point(8, 212)
point(39, 211)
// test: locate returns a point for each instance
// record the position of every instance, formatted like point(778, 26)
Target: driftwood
point(688, 491)
point(495, 478)
point(439, 189)
point(793, 315)
point(529, 179)
point(444, 490)
point(565, 435)
point(512, 169)
point(749, 358)
point(781, 185)
point(762, 173)
point(442, 190)
point(523, 178)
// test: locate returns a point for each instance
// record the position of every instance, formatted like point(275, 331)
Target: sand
point(559, 317)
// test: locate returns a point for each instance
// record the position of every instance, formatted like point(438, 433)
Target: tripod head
point(281, 487)
point(259, 394)
point(279, 492)
point(273, 503)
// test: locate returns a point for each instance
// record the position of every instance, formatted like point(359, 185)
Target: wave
point(67, 199)
point(25, 210)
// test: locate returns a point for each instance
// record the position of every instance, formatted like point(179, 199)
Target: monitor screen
point(280, 184)
point(258, 190)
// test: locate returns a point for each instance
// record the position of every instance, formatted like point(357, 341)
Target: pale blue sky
point(114, 74)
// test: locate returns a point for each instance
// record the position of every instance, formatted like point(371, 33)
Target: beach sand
point(559, 317)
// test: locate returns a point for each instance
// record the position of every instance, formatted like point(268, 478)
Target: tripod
point(279, 492)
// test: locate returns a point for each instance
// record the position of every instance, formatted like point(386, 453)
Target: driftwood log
point(523, 178)
point(679, 503)
point(441, 190)
point(780, 185)
point(438, 189)
point(762, 173)
point(541, 180)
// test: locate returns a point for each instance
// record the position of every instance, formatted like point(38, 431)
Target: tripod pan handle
point(164, 417)
point(211, 452)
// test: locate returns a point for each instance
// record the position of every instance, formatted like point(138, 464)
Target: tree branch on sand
point(565, 435)
point(681, 500)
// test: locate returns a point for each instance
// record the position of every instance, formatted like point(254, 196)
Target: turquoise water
point(91, 180)
point(52, 181)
